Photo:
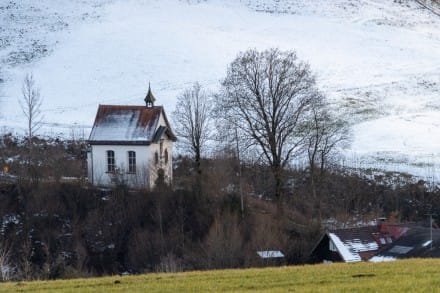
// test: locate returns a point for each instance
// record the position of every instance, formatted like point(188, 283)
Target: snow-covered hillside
point(378, 60)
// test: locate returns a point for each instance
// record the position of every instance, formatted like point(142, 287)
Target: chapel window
point(166, 156)
point(131, 161)
point(111, 163)
point(156, 158)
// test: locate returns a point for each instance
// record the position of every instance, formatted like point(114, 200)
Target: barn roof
point(416, 242)
point(361, 243)
point(358, 243)
point(352, 242)
point(116, 124)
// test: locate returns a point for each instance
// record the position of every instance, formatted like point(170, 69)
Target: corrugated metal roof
point(116, 124)
point(270, 254)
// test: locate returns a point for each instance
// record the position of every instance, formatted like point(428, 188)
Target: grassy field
point(399, 276)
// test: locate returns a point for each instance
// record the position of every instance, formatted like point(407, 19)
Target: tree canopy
point(267, 97)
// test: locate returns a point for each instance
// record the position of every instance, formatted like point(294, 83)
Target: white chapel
point(130, 145)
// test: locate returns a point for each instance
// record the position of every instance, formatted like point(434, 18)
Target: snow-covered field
point(378, 60)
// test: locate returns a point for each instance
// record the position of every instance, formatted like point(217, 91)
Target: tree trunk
point(279, 192)
point(198, 166)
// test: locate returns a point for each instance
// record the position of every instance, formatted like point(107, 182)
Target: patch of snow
point(121, 126)
point(9, 219)
point(334, 224)
point(357, 246)
point(69, 178)
point(5, 271)
point(11, 160)
point(379, 258)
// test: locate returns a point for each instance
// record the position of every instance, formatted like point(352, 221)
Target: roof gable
point(347, 254)
point(116, 124)
point(353, 242)
point(160, 131)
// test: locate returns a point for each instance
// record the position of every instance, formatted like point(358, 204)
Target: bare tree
point(266, 96)
point(5, 263)
point(192, 118)
point(224, 244)
point(326, 133)
point(31, 106)
point(25, 258)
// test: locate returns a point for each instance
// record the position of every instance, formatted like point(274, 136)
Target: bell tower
point(149, 99)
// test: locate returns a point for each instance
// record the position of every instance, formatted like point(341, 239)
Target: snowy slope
point(378, 60)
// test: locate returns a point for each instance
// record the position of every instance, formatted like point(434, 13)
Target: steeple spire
point(149, 99)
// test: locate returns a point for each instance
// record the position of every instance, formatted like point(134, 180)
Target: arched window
point(111, 163)
point(166, 156)
point(156, 158)
point(131, 162)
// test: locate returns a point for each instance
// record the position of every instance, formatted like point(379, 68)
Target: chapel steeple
point(149, 99)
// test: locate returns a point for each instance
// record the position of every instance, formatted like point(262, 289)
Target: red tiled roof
point(116, 124)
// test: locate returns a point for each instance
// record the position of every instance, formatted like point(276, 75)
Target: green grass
point(400, 276)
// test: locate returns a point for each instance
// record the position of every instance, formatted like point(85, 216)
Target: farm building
point(355, 244)
point(417, 242)
point(130, 145)
point(270, 258)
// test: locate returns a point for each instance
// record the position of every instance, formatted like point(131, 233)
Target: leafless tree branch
point(193, 121)
point(266, 96)
point(30, 103)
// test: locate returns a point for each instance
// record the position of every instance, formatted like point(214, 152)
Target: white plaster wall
point(89, 164)
point(146, 169)
point(99, 158)
point(168, 168)
point(161, 121)
point(155, 147)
